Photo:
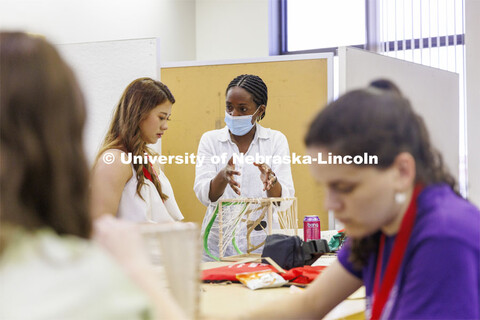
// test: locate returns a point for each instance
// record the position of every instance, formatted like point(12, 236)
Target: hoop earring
point(400, 197)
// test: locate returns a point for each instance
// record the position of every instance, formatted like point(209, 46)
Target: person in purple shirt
point(413, 241)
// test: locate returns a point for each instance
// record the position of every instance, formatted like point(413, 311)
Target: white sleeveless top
point(152, 208)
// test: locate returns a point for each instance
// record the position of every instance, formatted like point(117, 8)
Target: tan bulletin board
point(297, 89)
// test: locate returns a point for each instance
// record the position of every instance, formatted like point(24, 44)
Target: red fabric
point(228, 273)
point(147, 174)
point(301, 275)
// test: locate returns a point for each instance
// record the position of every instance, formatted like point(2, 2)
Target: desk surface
point(219, 301)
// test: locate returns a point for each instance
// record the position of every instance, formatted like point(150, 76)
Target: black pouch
point(291, 251)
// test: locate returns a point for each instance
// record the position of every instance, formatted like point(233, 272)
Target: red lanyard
point(381, 291)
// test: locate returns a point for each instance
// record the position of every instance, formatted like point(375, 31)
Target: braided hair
point(254, 85)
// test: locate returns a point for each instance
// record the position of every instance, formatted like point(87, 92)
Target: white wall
point(188, 29)
point(104, 69)
point(231, 29)
point(472, 48)
point(77, 21)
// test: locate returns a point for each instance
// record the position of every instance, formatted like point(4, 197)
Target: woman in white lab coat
point(246, 103)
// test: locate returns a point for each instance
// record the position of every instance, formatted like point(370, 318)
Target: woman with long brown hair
point(49, 268)
point(126, 180)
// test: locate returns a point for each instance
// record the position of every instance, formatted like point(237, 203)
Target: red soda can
point(311, 228)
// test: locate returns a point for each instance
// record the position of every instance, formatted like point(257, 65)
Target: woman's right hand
point(121, 239)
point(224, 178)
point(228, 174)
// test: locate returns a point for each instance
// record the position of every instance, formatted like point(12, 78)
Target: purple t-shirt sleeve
point(441, 282)
point(343, 255)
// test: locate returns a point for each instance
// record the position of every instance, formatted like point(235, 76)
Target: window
point(309, 24)
point(434, 28)
point(401, 25)
point(428, 32)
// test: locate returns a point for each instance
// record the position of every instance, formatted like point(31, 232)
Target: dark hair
point(254, 85)
point(380, 122)
point(43, 170)
point(386, 84)
point(138, 99)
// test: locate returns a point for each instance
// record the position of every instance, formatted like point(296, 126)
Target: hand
point(123, 241)
point(267, 176)
point(228, 172)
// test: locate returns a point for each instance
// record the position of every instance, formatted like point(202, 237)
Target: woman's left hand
point(267, 176)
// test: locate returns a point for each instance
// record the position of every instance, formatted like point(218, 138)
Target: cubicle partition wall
point(432, 92)
point(104, 69)
point(298, 86)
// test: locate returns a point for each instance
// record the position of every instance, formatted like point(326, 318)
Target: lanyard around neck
point(381, 291)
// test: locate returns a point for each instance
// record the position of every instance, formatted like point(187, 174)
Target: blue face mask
point(239, 125)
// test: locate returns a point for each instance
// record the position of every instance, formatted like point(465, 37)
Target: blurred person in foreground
point(49, 266)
